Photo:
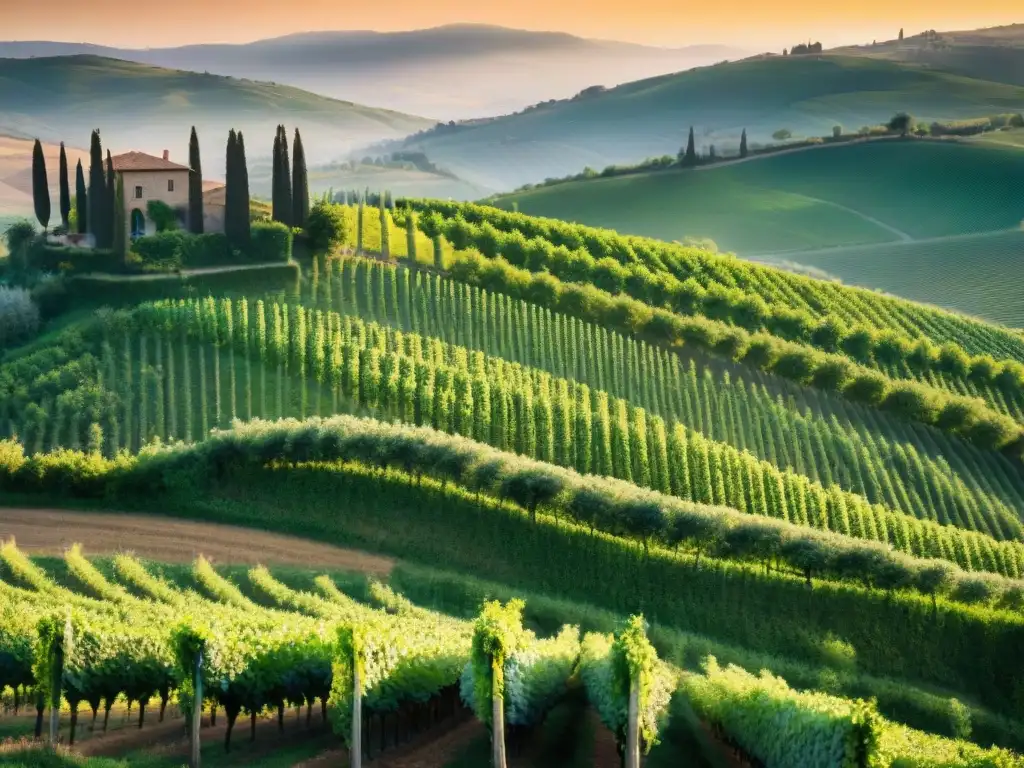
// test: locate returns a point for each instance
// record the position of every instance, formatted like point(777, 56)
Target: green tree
point(326, 227)
point(300, 184)
point(688, 157)
point(120, 234)
point(65, 190)
point(782, 134)
point(236, 206)
point(40, 186)
point(108, 202)
point(81, 200)
point(901, 33)
point(195, 185)
point(743, 143)
point(286, 181)
point(275, 179)
point(901, 123)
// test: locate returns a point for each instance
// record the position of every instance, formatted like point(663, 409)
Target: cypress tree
point(40, 186)
point(286, 181)
point(300, 183)
point(108, 209)
point(120, 234)
point(231, 188)
point(275, 182)
point(97, 191)
point(65, 189)
point(243, 191)
point(81, 200)
point(689, 158)
point(195, 185)
point(743, 143)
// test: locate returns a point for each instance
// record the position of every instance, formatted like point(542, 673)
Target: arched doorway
point(138, 223)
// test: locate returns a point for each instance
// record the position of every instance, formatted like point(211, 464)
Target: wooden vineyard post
point(498, 712)
point(356, 747)
point(633, 725)
point(197, 712)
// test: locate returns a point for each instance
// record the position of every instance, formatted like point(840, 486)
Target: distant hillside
point(849, 210)
point(449, 72)
point(142, 107)
point(806, 94)
point(989, 54)
point(16, 176)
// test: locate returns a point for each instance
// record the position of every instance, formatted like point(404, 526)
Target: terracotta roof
point(140, 161)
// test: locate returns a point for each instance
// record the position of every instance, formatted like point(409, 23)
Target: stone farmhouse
point(147, 178)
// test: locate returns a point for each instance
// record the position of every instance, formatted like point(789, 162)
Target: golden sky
point(756, 23)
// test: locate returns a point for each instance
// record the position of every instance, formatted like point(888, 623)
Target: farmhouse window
point(138, 193)
point(170, 185)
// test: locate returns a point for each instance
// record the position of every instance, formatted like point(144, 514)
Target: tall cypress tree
point(195, 185)
point(243, 191)
point(275, 181)
point(40, 186)
point(120, 234)
point(689, 157)
point(286, 181)
point(81, 200)
point(65, 191)
point(108, 203)
point(743, 143)
point(300, 183)
point(231, 188)
point(97, 190)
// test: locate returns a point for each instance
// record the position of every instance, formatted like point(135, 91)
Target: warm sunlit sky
point(754, 23)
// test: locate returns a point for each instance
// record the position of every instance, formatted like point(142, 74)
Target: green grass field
point(974, 274)
point(794, 207)
point(806, 199)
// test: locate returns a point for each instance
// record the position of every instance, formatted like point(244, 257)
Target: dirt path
point(606, 753)
point(149, 277)
point(433, 749)
point(39, 531)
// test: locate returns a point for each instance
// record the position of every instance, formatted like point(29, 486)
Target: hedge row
point(612, 263)
point(269, 242)
point(612, 506)
point(968, 417)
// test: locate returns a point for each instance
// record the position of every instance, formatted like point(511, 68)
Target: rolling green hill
point(785, 473)
point(996, 53)
point(137, 106)
point(844, 196)
point(973, 273)
point(806, 94)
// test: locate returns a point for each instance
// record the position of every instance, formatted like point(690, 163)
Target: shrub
point(782, 134)
point(162, 251)
point(867, 387)
point(270, 241)
point(911, 401)
point(19, 316)
point(837, 131)
point(162, 215)
point(327, 227)
point(18, 237)
point(206, 250)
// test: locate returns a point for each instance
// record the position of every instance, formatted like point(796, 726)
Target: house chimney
point(167, 155)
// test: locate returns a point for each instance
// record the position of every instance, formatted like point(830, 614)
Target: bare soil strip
point(50, 532)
